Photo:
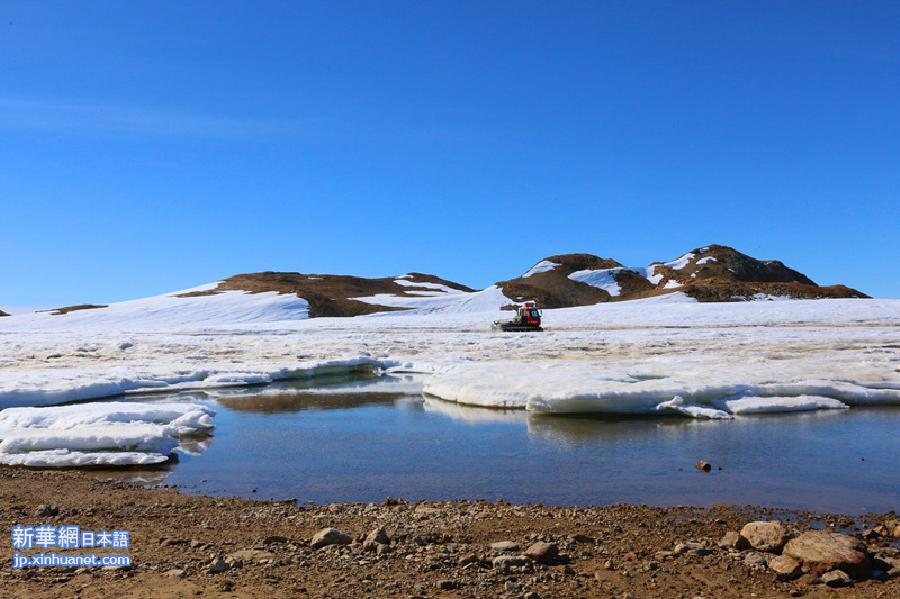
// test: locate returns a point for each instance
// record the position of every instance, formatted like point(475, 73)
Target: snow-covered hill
point(664, 353)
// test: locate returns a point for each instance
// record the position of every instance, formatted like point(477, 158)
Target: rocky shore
point(187, 546)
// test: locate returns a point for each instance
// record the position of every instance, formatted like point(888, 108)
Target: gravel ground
point(189, 546)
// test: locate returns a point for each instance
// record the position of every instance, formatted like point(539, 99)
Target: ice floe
point(100, 433)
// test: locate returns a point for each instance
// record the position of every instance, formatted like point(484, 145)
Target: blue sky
point(147, 147)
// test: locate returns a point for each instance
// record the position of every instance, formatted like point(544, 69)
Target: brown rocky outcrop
point(821, 551)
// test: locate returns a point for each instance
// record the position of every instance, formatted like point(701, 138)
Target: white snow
point(542, 266)
point(165, 312)
point(706, 260)
point(677, 264)
point(108, 433)
point(671, 284)
point(652, 275)
point(662, 355)
point(603, 279)
point(433, 288)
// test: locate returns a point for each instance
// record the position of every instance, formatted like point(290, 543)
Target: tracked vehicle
point(527, 320)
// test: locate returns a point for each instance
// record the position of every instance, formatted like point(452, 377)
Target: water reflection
point(352, 439)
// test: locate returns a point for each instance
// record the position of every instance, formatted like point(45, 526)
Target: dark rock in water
point(703, 466)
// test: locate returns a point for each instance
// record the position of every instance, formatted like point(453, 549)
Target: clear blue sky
point(147, 147)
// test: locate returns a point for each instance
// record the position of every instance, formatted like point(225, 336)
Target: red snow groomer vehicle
point(527, 320)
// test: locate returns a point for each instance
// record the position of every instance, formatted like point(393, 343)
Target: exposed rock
point(46, 511)
point(542, 553)
point(378, 536)
point(249, 555)
point(580, 538)
point(733, 540)
point(217, 566)
point(703, 466)
point(174, 573)
point(66, 309)
point(331, 295)
point(505, 562)
point(709, 274)
point(504, 547)
point(820, 551)
point(785, 567)
point(836, 578)
point(274, 540)
point(329, 536)
point(765, 536)
point(757, 560)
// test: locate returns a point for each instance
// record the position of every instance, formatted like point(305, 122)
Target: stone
point(542, 553)
point(249, 555)
point(821, 551)
point(379, 535)
point(756, 560)
point(447, 585)
point(217, 566)
point(469, 558)
point(274, 539)
point(579, 538)
point(46, 511)
point(836, 578)
point(504, 547)
point(785, 567)
point(765, 536)
point(703, 466)
point(505, 562)
point(329, 536)
point(174, 573)
point(734, 540)
point(896, 532)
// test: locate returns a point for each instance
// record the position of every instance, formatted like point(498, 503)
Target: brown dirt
point(553, 288)
point(729, 291)
point(437, 549)
point(328, 295)
point(66, 309)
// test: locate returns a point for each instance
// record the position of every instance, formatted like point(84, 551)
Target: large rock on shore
point(329, 536)
point(821, 551)
point(765, 536)
point(543, 553)
point(785, 567)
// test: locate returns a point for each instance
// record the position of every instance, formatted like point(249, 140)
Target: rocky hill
point(333, 295)
point(2, 314)
point(711, 273)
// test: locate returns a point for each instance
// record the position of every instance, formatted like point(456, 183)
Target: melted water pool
point(366, 440)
